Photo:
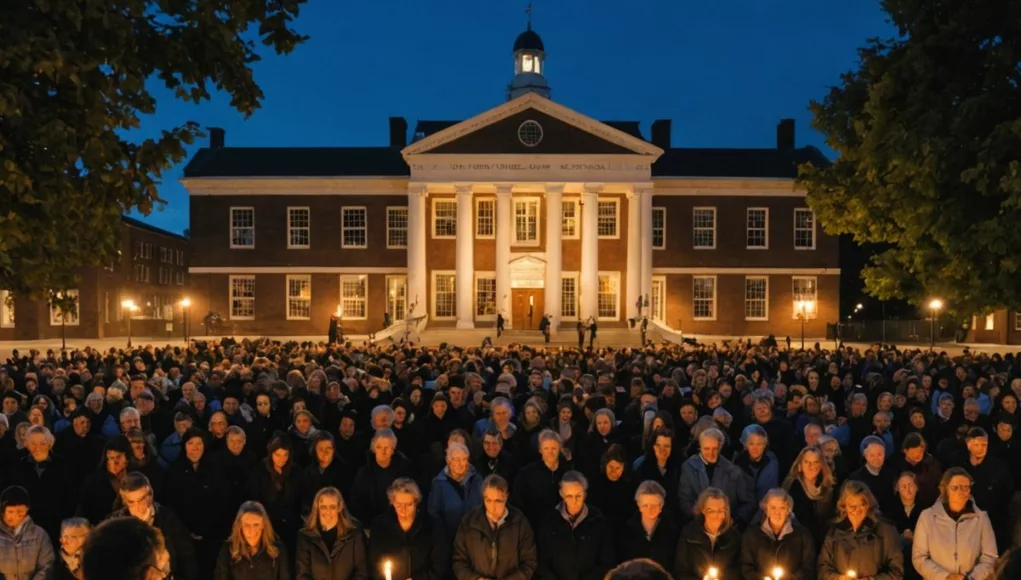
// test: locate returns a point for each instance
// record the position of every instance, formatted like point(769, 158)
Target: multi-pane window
point(1017, 321)
point(141, 273)
point(804, 229)
point(608, 297)
point(299, 297)
point(180, 257)
point(397, 227)
point(242, 227)
point(569, 297)
point(166, 275)
point(704, 221)
point(163, 255)
point(6, 309)
point(242, 297)
point(59, 317)
point(299, 228)
point(756, 298)
point(658, 228)
point(657, 304)
point(444, 218)
point(570, 211)
point(445, 295)
point(703, 296)
point(606, 219)
point(485, 218)
point(526, 222)
point(397, 297)
point(353, 231)
point(757, 228)
point(805, 294)
point(990, 321)
point(354, 291)
point(179, 278)
point(485, 296)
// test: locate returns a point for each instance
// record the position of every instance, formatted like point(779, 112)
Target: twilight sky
point(725, 71)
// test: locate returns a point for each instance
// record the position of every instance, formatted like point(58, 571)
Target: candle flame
point(777, 573)
point(713, 572)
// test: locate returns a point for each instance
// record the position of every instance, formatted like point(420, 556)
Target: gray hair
point(384, 410)
point(650, 487)
point(713, 433)
point(74, 523)
point(41, 430)
point(780, 494)
point(502, 402)
point(859, 397)
point(383, 434)
point(128, 412)
point(235, 430)
point(971, 402)
point(455, 447)
point(550, 435)
point(574, 477)
point(404, 485)
point(753, 430)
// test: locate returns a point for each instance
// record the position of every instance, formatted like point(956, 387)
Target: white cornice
point(296, 186)
point(539, 103)
point(296, 270)
point(750, 271)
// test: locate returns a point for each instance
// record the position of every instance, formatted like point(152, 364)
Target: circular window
point(530, 133)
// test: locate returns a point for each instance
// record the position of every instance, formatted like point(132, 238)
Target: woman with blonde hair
point(332, 543)
point(860, 545)
point(953, 538)
point(253, 551)
point(812, 486)
point(777, 540)
point(709, 541)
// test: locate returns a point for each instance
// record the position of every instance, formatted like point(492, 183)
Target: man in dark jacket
point(537, 485)
point(44, 476)
point(494, 540)
point(878, 476)
point(385, 464)
point(494, 458)
point(927, 470)
point(576, 539)
point(422, 551)
point(136, 494)
point(993, 489)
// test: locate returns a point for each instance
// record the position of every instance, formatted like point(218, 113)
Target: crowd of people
point(266, 460)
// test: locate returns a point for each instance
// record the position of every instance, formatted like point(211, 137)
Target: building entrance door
point(527, 307)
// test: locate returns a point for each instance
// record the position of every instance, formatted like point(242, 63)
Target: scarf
point(73, 561)
point(812, 491)
point(573, 521)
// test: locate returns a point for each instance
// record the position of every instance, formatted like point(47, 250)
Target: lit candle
point(851, 574)
point(388, 569)
point(714, 573)
point(777, 572)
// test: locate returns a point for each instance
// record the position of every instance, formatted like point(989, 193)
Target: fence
point(892, 331)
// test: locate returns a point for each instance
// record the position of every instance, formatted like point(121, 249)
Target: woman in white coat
point(954, 539)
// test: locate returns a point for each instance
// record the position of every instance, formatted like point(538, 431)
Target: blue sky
point(725, 71)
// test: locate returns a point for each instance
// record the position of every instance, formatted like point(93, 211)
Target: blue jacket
point(765, 476)
point(111, 428)
point(170, 450)
point(446, 506)
point(727, 477)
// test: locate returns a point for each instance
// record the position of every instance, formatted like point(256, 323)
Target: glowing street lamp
point(131, 307)
point(185, 303)
point(803, 307)
point(935, 305)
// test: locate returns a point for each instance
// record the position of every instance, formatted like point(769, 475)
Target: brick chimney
point(398, 132)
point(661, 133)
point(785, 135)
point(216, 137)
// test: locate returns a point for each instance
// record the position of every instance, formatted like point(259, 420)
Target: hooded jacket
point(943, 546)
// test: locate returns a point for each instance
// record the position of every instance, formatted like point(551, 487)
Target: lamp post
point(934, 305)
point(185, 303)
point(131, 307)
point(803, 307)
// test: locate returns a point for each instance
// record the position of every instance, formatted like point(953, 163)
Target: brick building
point(998, 327)
point(152, 271)
point(527, 208)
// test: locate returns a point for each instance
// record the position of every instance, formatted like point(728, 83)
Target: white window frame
point(392, 210)
point(490, 202)
point(435, 205)
point(291, 228)
point(576, 276)
point(615, 276)
point(748, 228)
point(797, 229)
point(56, 315)
point(179, 277)
point(526, 201)
point(479, 276)
point(764, 299)
point(180, 257)
point(289, 298)
point(574, 220)
point(795, 297)
point(163, 255)
point(8, 315)
point(392, 300)
point(232, 227)
point(616, 218)
point(433, 294)
point(652, 226)
point(657, 309)
point(364, 279)
point(1017, 321)
point(364, 228)
point(231, 297)
point(695, 229)
point(715, 298)
point(990, 321)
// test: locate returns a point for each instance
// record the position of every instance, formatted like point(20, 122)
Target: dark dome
point(528, 40)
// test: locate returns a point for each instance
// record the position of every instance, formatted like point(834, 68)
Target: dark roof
point(144, 226)
point(683, 162)
point(297, 162)
point(426, 128)
point(528, 40)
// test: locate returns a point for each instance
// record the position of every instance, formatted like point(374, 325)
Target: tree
point(928, 132)
point(74, 79)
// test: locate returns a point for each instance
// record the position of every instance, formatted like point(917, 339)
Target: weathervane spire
point(528, 11)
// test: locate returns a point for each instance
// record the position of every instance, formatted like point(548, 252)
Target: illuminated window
point(569, 296)
point(298, 228)
point(353, 232)
point(703, 296)
point(299, 297)
point(485, 214)
point(396, 227)
point(526, 222)
point(658, 228)
point(242, 297)
point(570, 211)
point(485, 296)
point(805, 292)
point(657, 304)
point(607, 218)
point(756, 298)
point(397, 297)
point(354, 291)
point(6, 309)
point(242, 228)
point(444, 218)
point(444, 295)
point(609, 296)
point(804, 229)
point(757, 228)
point(704, 228)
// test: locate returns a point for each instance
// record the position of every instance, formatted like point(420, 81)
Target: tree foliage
point(74, 78)
point(928, 132)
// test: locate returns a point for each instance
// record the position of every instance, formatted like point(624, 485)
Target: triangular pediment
point(563, 132)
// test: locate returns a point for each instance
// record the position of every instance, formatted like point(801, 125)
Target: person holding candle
point(954, 539)
point(709, 468)
point(811, 484)
point(575, 540)
point(709, 543)
point(332, 543)
point(860, 545)
point(905, 517)
point(777, 540)
point(650, 532)
point(253, 551)
point(407, 538)
point(494, 540)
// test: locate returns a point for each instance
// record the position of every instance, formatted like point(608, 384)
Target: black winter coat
point(98, 497)
point(794, 552)
point(51, 498)
point(584, 552)
point(260, 567)
point(696, 553)
point(422, 553)
point(661, 548)
point(874, 551)
point(178, 540)
point(507, 553)
point(368, 493)
point(813, 514)
point(536, 490)
point(199, 497)
point(314, 561)
point(338, 474)
point(993, 490)
point(616, 499)
point(281, 502)
point(881, 485)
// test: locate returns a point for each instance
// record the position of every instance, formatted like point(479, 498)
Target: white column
point(554, 251)
point(504, 223)
point(416, 250)
point(646, 239)
point(589, 279)
point(465, 257)
point(634, 251)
